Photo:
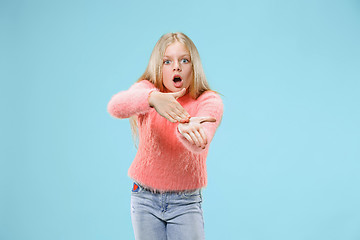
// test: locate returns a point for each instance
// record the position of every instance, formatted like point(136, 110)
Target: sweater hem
point(163, 190)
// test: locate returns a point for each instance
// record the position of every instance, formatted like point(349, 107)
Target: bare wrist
point(149, 97)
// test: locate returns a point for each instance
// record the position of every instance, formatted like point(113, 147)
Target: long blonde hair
point(153, 72)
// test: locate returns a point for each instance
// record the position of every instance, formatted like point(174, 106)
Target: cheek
point(166, 73)
point(189, 72)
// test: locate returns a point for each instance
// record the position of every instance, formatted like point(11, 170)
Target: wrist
point(150, 97)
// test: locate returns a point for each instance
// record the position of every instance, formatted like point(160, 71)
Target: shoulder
point(145, 83)
point(210, 96)
point(211, 103)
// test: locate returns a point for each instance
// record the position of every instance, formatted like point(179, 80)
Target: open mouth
point(178, 82)
point(177, 79)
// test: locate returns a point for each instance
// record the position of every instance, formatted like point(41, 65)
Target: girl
point(175, 114)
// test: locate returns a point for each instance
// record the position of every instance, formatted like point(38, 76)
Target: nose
point(176, 66)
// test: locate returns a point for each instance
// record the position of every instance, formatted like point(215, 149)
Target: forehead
point(176, 49)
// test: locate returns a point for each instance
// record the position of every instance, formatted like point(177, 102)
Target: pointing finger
point(207, 119)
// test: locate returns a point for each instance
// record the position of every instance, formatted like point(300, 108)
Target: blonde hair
point(153, 72)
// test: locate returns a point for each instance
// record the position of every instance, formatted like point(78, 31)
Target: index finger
point(184, 114)
point(207, 119)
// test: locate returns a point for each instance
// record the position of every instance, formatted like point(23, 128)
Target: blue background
point(284, 163)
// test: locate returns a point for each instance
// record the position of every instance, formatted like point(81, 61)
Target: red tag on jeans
point(135, 188)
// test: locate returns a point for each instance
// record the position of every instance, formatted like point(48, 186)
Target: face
point(177, 68)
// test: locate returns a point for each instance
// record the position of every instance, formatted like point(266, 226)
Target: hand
point(167, 106)
point(194, 132)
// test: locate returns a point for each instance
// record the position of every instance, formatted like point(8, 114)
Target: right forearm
point(130, 102)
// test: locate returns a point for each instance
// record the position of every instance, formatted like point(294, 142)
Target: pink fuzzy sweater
point(165, 160)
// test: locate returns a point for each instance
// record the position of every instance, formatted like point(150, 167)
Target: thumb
point(179, 93)
point(207, 119)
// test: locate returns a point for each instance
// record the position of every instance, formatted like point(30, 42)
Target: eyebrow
point(180, 56)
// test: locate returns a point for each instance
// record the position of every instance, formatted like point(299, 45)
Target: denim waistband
point(137, 185)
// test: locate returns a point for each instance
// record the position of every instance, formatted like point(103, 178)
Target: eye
point(184, 60)
point(166, 62)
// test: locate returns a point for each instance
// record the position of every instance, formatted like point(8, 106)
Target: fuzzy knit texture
point(165, 160)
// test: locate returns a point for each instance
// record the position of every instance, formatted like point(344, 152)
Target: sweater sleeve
point(210, 105)
point(132, 101)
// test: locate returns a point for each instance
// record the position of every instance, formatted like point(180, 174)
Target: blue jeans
point(166, 216)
